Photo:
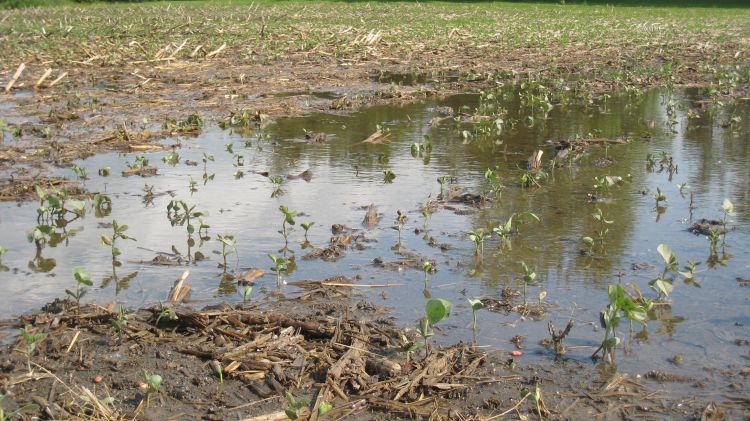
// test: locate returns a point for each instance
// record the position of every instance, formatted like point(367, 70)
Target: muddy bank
point(323, 354)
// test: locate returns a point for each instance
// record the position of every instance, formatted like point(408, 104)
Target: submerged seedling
point(493, 179)
point(399, 224)
point(217, 369)
point(228, 246)
point(478, 236)
point(388, 176)
point(306, 226)
point(277, 182)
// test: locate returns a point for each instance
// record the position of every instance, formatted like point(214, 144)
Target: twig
point(15, 77)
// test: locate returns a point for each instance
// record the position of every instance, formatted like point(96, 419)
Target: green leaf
point(437, 309)
point(324, 408)
point(476, 304)
point(82, 277)
point(666, 253)
point(727, 206)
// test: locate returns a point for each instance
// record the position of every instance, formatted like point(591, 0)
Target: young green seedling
point(659, 197)
point(80, 172)
point(118, 231)
point(399, 225)
point(306, 226)
point(427, 267)
point(427, 214)
point(435, 310)
point(287, 222)
point(476, 305)
point(217, 369)
point(280, 264)
point(388, 176)
point(478, 236)
point(662, 285)
point(120, 322)
point(102, 205)
point(295, 406)
point(172, 158)
point(31, 340)
point(620, 306)
point(528, 277)
point(276, 182)
point(228, 246)
point(153, 382)
point(493, 179)
point(442, 180)
point(324, 408)
point(3, 250)
point(83, 281)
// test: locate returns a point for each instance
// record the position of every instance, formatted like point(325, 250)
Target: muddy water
point(701, 325)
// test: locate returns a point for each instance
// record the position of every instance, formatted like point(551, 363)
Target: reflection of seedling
point(388, 176)
point(31, 340)
point(102, 205)
point(528, 277)
point(118, 231)
point(295, 407)
point(442, 180)
point(280, 264)
point(83, 280)
point(306, 226)
point(689, 273)
point(478, 236)
point(661, 285)
point(476, 305)
point(620, 306)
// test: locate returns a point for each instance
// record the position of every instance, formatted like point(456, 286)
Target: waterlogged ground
point(707, 145)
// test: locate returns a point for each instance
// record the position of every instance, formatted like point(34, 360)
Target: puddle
point(701, 325)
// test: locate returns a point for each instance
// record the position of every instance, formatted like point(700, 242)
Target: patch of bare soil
point(323, 354)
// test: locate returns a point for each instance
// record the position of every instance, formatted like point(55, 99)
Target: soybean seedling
point(306, 226)
point(29, 407)
point(620, 306)
point(601, 234)
point(3, 268)
point(399, 225)
point(442, 180)
point(120, 322)
point(476, 305)
point(689, 273)
point(31, 340)
point(662, 285)
point(217, 369)
point(388, 176)
point(528, 277)
point(102, 205)
point(478, 236)
point(493, 179)
point(118, 231)
point(659, 197)
point(83, 281)
point(295, 407)
point(280, 264)
point(153, 381)
point(228, 246)
point(435, 310)
point(80, 172)
point(276, 182)
point(427, 214)
point(287, 223)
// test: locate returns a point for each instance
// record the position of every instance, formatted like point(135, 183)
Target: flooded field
point(671, 160)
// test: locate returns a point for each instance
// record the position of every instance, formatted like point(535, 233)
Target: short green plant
point(388, 176)
point(3, 250)
point(105, 171)
point(192, 185)
point(180, 213)
point(287, 222)
point(660, 198)
point(228, 246)
point(31, 340)
point(427, 267)
point(690, 270)
point(153, 382)
point(83, 283)
point(118, 231)
point(399, 224)
point(80, 172)
point(280, 264)
point(247, 290)
point(442, 181)
point(324, 408)
point(229, 147)
point(29, 407)
point(714, 235)
point(217, 369)
point(277, 182)
point(172, 158)
point(427, 214)
point(102, 205)
point(476, 305)
point(435, 310)
point(478, 236)
point(663, 285)
point(120, 321)
point(493, 179)
point(621, 306)
point(601, 233)
point(294, 406)
point(306, 226)
point(528, 277)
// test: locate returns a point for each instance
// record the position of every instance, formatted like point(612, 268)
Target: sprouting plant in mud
point(535, 397)
point(478, 236)
point(228, 246)
point(690, 272)
point(246, 289)
point(80, 172)
point(663, 285)
point(165, 313)
point(324, 408)
point(408, 348)
point(427, 268)
point(435, 310)
point(151, 386)
point(55, 206)
point(139, 162)
point(476, 305)
point(104, 171)
point(118, 231)
point(217, 368)
point(306, 226)
point(31, 340)
point(295, 407)
point(423, 149)
point(426, 214)
point(399, 225)
point(229, 147)
point(29, 407)
point(528, 277)
point(102, 205)
point(120, 321)
point(621, 306)
point(287, 223)
point(388, 176)
point(601, 233)
point(277, 182)
point(602, 184)
point(280, 265)
point(180, 213)
point(493, 179)
point(83, 283)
